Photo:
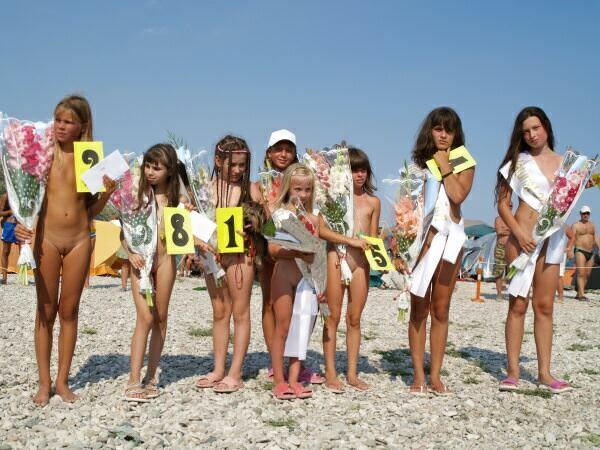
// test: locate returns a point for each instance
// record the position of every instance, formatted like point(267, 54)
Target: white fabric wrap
point(304, 314)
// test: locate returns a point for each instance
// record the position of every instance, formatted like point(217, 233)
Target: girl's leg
point(240, 278)
point(268, 319)
point(441, 293)
point(357, 297)
point(285, 278)
point(544, 288)
point(47, 279)
point(335, 298)
point(221, 306)
point(143, 325)
point(165, 277)
point(75, 268)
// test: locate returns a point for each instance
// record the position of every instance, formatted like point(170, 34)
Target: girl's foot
point(439, 388)
point(228, 385)
point(300, 391)
point(66, 394)
point(335, 386)
point(208, 381)
point(135, 392)
point(42, 396)
point(418, 389)
point(358, 384)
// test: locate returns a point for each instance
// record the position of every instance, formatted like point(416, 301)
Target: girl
point(231, 185)
point(528, 169)
point(366, 218)
point(298, 182)
point(62, 247)
point(434, 276)
point(159, 182)
point(8, 223)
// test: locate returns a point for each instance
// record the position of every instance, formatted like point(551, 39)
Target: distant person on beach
point(502, 233)
point(367, 209)
point(62, 248)
point(581, 246)
point(528, 169)
point(435, 273)
point(8, 223)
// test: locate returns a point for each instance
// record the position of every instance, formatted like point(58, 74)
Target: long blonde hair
point(79, 107)
point(295, 169)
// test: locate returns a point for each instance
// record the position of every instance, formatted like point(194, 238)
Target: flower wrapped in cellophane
point(26, 151)
point(139, 222)
point(201, 185)
point(569, 183)
point(403, 215)
point(334, 195)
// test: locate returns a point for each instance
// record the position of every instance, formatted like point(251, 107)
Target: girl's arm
point(374, 225)
point(329, 235)
point(457, 185)
point(526, 241)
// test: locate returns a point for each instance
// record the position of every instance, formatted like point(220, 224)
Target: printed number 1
point(231, 229)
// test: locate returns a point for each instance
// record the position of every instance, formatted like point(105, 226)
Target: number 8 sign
point(230, 223)
point(86, 156)
point(178, 231)
point(377, 255)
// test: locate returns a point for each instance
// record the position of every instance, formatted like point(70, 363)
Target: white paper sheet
point(114, 165)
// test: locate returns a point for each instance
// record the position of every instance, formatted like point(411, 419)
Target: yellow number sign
point(178, 231)
point(86, 155)
point(230, 223)
point(460, 159)
point(377, 255)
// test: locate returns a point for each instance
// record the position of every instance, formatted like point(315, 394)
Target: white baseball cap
point(585, 209)
point(281, 135)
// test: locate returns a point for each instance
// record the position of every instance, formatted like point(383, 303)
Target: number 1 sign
point(230, 225)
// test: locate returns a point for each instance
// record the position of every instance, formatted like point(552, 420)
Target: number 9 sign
point(230, 224)
point(377, 255)
point(178, 231)
point(86, 156)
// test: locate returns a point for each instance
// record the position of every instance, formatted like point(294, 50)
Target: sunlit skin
point(436, 302)
point(281, 155)
point(546, 275)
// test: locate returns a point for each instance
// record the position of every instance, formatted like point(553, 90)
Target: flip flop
point(556, 387)
point(207, 381)
point(283, 391)
point(333, 389)
point(441, 392)
point(509, 384)
point(228, 385)
point(418, 389)
point(300, 391)
point(135, 389)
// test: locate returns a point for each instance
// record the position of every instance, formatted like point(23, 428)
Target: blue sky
point(367, 72)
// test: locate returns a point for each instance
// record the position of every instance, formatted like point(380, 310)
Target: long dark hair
point(424, 148)
point(518, 145)
point(224, 150)
point(163, 154)
point(360, 160)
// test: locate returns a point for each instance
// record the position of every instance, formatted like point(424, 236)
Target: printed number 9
point(90, 157)
point(180, 236)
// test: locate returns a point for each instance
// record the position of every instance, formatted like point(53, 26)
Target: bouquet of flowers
point(334, 195)
point(571, 180)
point(199, 175)
point(139, 223)
point(405, 215)
point(26, 151)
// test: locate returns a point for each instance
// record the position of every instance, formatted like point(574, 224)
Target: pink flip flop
point(509, 384)
point(556, 387)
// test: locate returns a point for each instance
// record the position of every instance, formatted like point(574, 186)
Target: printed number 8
point(180, 236)
point(90, 157)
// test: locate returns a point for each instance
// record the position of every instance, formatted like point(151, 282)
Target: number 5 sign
point(377, 255)
point(230, 223)
point(86, 155)
point(178, 231)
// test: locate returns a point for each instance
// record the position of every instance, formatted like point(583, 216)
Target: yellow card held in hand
point(460, 159)
point(86, 155)
point(230, 225)
point(377, 255)
point(178, 231)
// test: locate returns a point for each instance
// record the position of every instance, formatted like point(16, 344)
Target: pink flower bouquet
point(26, 152)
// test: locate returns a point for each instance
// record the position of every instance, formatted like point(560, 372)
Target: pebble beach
point(477, 415)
